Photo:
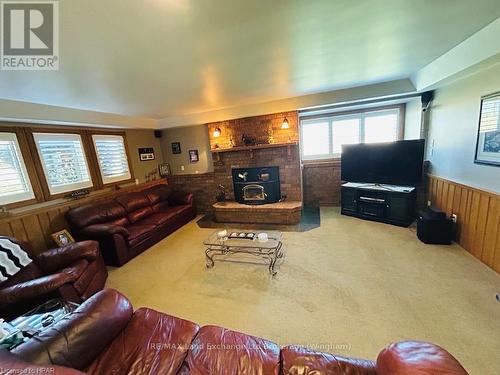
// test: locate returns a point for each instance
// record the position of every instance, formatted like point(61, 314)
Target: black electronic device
point(433, 227)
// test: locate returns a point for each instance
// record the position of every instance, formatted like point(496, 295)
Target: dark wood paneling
point(478, 212)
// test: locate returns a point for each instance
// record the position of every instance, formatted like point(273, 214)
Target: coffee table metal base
point(269, 255)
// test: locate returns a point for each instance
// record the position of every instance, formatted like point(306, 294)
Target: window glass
point(315, 138)
point(381, 128)
point(64, 162)
point(15, 185)
point(323, 137)
point(345, 132)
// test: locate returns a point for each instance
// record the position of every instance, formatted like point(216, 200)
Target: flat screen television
point(394, 163)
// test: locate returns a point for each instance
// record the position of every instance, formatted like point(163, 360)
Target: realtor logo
point(30, 35)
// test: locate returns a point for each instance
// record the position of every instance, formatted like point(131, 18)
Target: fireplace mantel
point(250, 149)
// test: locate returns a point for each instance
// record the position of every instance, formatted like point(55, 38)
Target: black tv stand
point(391, 204)
point(378, 186)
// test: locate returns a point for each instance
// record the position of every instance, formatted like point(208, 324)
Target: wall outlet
point(182, 168)
point(428, 203)
point(454, 217)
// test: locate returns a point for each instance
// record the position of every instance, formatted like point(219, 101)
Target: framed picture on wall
point(488, 133)
point(176, 148)
point(193, 156)
point(164, 169)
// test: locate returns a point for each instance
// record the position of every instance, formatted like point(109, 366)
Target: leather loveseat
point(132, 222)
point(73, 272)
point(105, 336)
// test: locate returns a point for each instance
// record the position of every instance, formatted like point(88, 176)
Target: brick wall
point(322, 183)
point(257, 127)
point(203, 187)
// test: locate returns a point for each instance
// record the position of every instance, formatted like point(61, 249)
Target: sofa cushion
point(152, 343)
point(158, 193)
point(95, 213)
point(133, 201)
point(139, 230)
point(297, 360)
point(121, 222)
point(220, 351)
point(139, 214)
point(161, 206)
point(176, 210)
point(158, 218)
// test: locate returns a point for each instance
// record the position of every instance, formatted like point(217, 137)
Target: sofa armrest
point(77, 339)
point(104, 230)
point(417, 357)
point(56, 259)
point(178, 198)
point(33, 288)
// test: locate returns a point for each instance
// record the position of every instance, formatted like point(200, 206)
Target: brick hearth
point(274, 213)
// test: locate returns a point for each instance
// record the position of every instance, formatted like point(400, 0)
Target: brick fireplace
point(272, 147)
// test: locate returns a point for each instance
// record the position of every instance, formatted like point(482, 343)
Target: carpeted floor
point(349, 287)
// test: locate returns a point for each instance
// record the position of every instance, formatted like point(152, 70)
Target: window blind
point(112, 158)
point(490, 115)
point(15, 185)
point(63, 161)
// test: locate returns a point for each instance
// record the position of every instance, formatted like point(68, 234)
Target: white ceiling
point(167, 58)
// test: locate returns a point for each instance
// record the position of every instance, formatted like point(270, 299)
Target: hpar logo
point(30, 35)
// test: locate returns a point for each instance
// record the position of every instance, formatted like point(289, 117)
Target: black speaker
point(157, 133)
point(426, 98)
point(433, 227)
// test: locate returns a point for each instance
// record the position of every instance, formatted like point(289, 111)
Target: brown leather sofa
point(74, 272)
point(105, 336)
point(132, 222)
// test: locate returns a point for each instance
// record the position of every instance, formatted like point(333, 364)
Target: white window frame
point(118, 178)
point(67, 187)
point(19, 197)
point(361, 115)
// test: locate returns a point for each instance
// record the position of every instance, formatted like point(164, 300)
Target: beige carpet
point(349, 287)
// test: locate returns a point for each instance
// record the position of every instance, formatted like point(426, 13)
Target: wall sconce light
point(285, 124)
point(217, 132)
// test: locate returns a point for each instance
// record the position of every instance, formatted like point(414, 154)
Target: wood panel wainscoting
point(35, 226)
point(478, 217)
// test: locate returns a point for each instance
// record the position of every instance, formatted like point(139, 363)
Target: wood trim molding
point(34, 164)
point(478, 217)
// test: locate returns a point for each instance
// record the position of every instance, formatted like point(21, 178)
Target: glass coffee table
point(35, 321)
point(238, 241)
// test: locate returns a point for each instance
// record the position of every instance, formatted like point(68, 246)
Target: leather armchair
point(73, 272)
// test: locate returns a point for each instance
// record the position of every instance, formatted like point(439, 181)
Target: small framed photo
point(193, 156)
point(176, 148)
point(164, 169)
point(488, 134)
point(146, 153)
point(62, 238)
